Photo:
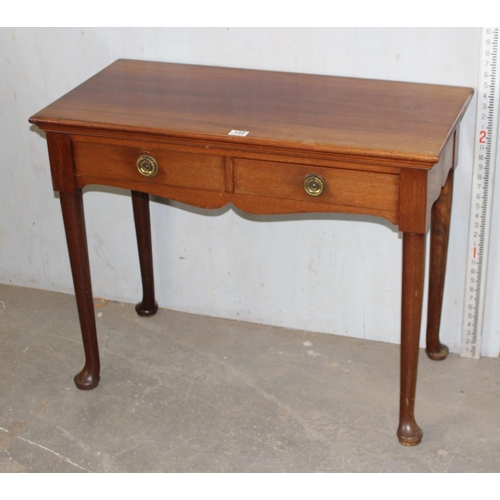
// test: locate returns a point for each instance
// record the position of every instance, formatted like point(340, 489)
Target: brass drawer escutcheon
point(314, 185)
point(147, 165)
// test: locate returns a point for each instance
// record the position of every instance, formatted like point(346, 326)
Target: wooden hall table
point(314, 144)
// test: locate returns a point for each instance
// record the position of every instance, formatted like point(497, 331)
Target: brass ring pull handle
point(147, 165)
point(314, 184)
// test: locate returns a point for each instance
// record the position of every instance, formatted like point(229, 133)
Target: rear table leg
point(440, 230)
point(140, 203)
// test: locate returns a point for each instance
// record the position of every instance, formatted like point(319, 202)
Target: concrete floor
point(186, 393)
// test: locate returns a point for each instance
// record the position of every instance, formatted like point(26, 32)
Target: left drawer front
point(96, 160)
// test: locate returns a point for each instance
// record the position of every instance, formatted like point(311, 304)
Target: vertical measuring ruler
point(482, 194)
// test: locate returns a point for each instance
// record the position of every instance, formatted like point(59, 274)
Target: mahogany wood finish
point(409, 433)
point(381, 148)
point(76, 236)
point(440, 230)
point(140, 203)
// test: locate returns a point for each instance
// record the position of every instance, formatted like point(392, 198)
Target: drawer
point(374, 191)
point(118, 161)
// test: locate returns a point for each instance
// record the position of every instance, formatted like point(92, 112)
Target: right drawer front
point(345, 188)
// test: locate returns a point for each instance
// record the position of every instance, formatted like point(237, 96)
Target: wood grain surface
point(342, 116)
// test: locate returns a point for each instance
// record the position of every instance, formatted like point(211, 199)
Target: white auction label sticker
point(241, 133)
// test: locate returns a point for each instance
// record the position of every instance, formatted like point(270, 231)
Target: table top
point(284, 111)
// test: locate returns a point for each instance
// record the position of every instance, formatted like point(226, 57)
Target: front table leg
point(409, 433)
point(74, 224)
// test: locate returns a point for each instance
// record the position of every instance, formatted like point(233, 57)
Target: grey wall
point(335, 274)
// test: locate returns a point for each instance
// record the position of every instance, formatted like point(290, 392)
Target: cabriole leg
point(409, 433)
point(140, 203)
point(440, 230)
point(74, 224)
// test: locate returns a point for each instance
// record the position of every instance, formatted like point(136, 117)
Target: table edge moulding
point(270, 143)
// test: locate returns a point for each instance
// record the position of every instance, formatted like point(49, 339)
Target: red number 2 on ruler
point(482, 137)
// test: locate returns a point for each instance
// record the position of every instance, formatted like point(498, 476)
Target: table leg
point(440, 230)
point(140, 203)
point(74, 224)
point(409, 433)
